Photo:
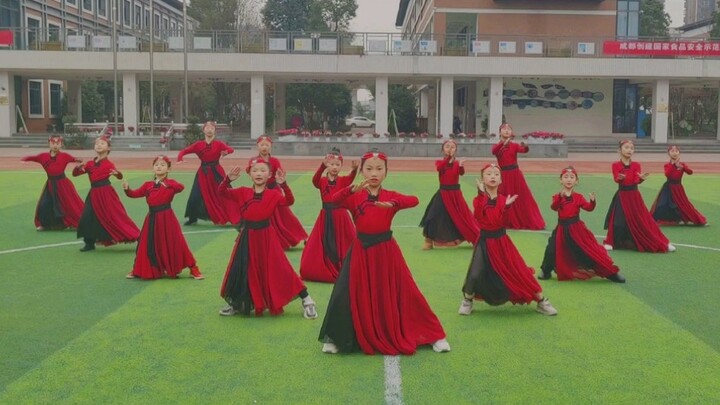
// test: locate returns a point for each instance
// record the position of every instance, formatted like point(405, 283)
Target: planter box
point(252, 47)
point(51, 46)
point(157, 47)
point(353, 50)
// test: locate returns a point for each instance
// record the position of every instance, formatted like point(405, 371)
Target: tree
point(93, 103)
point(320, 103)
point(715, 32)
point(287, 15)
point(336, 14)
point(654, 21)
point(402, 101)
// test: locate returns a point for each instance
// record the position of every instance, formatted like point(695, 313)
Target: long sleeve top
point(569, 206)
point(97, 170)
point(632, 173)
point(156, 193)
point(370, 218)
point(674, 174)
point(328, 187)
point(491, 213)
point(206, 152)
point(257, 206)
point(507, 154)
point(449, 173)
point(53, 165)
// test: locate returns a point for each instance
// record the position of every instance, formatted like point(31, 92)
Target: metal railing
point(356, 43)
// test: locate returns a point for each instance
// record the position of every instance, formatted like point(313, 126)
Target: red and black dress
point(162, 249)
point(205, 201)
point(628, 221)
point(572, 250)
point(375, 305)
point(332, 234)
point(497, 273)
point(447, 219)
point(59, 206)
point(104, 218)
point(288, 226)
point(672, 205)
point(259, 275)
point(524, 212)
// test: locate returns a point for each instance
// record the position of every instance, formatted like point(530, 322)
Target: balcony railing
point(359, 43)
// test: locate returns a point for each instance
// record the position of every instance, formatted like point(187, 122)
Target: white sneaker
point(330, 348)
point(465, 307)
point(228, 310)
point(309, 310)
point(671, 247)
point(608, 247)
point(545, 307)
point(441, 346)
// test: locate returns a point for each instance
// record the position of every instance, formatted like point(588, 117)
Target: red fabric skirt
point(518, 278)
point(630, 225)
point(69, 204)
point(269, 277)
point(288, 227)
point(672, 205)
point(112, 216)
point(218, 209)
point(524, 213)
point(568, 266)
point(461, 215)
point(317, 263)
point(171, 252)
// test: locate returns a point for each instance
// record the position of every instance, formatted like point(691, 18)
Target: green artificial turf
point(74, 330)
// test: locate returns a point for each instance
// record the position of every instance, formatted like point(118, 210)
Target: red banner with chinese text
point(662, 48)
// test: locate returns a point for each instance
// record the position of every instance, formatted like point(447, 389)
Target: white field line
point(393, 381)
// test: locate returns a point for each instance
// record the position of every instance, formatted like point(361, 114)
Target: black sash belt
point(449, 187)
point(674, 181)
point(328, 206)
point(568, 221)
point(499, 233)
point(205, 166)
point(100, 183)
point(509, 167)
point(58, 177)
point(254, 224)
point(152, 255)
point(211, 163)
point(372, 239)
point(628, 188)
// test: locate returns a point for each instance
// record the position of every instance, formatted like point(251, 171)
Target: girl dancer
point(204, 201)
point(104, 218)
point(334, 231)
point(259, 275)
point(288, 227)
point(448, 220)
point(572, 249)
point(375, 305)
point(672, 206)
point(497, 273)
point(60, 205)
point(162, 249)
point(525, 214)
point(628, 222)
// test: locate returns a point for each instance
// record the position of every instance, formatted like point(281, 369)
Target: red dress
point(259, 275)
point(497, 273)
point(375, 305)
point(104, 218)
point(332, 234)
point(672, 205)
point(628, 221)
point(447, 219)
point(205, 201)
point(572, 249)
point(60, 205)
point(524, 212)
point(288, 226)
point(162, 249)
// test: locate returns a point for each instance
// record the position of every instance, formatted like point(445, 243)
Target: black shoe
point(616, 278)
point(190, 222)
point(87, 248)
point(545, 276)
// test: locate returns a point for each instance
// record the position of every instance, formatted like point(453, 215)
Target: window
point(56, 96)
point(53, 32)
point(88, 5)
point(35, 99)
point(9, 14)
point(156, 24)
point(102, 8)
point(628, 17)
point(72, 3)
point(126, 13)
point(146, 19)
point(34, 33)
point(625, 101)
point(138, 16)
point(165, 27)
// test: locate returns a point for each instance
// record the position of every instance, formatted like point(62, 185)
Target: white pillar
point(424, 103)
point(433, 108)
point(257, 106)
point(447, 100)
point(496, 106)
point(381, 104)
point(280, 106)
point(74, 102)
point(131, 101)
point(480, 110)
point(8, 123)
point(661, 101)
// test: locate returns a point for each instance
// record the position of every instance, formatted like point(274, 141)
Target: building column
point(447, 101)
point(480, 100)
point(280, 106)
point(8, 123)
point(432, 113)
point(176, 101)
point(74, 99)
point(381, 104)
point(661, 101)
point(257, 106)
point(495, 115)
point(131, 101)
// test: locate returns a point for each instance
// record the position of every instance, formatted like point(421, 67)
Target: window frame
point(42, 99)
point(50, 98)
